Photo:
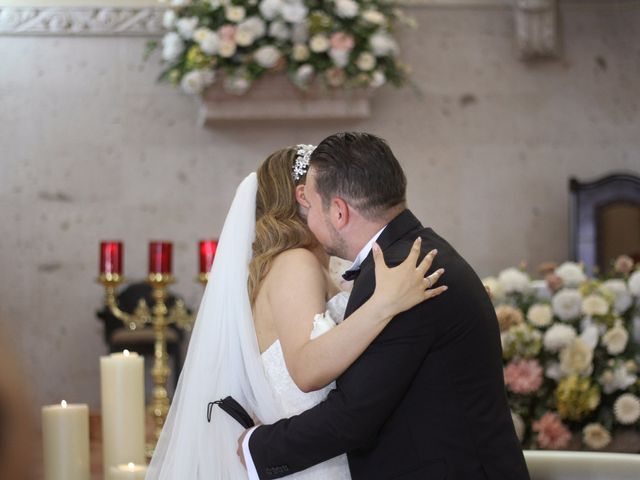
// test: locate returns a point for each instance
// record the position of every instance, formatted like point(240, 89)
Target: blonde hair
point(279, 226)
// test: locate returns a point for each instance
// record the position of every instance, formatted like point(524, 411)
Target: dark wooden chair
point(604, 219)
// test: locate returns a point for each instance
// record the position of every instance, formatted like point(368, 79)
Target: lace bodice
point(295, 401)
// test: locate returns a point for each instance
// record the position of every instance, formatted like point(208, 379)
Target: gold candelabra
point(159, 316)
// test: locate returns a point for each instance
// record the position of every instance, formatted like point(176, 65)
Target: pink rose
point(342, 42)
point(552, 434)
point(227, 32)
point(624, 264)
point(523, 376)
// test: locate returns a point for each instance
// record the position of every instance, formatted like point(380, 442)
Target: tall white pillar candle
point(123, 423)
point(127, 472)
point(65, 441)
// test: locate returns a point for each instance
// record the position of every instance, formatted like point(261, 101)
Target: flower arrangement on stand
point(338, 43)
point(570, 358)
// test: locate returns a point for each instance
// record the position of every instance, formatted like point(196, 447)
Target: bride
point(266, 330)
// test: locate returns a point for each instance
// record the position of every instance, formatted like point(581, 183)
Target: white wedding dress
point(294, 401)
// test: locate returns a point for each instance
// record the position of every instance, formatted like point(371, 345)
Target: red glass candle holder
point(207, 254)
point(111, 258)
point(160, 257)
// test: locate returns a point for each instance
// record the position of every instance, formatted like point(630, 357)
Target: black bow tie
point(351, 274)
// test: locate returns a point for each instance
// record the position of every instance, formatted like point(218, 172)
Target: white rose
point(497, 292)
point(576, 358)
point(300, 52)
point(300, 33)
point(208, 40)
point(195, 81)
point(618, 288)
point(267, 56)
point(346, 8)
point(627, 409)
point(294, 11)
point(378, 79)
point(169, 19)
point(383, 45)
point(235, 13)
point(558, 337)
point(374, 17)
point(595, 304)
point(567, 304)
point(319, 43)
point(513, 280)
point(270, 8)
point(634, 283)
point(571, 274)
point(304, 73)
point(172, 46)
point(186, 27)
point(244, 38)
point(279, 30)
point(540, 315)
point(340, 57)
point(616, 339)
point(255, 26)
point(227, 48)
point(366, 62)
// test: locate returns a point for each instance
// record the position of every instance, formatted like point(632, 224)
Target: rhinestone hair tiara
point(301, 164)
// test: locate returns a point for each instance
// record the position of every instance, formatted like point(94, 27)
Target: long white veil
point(223, 359)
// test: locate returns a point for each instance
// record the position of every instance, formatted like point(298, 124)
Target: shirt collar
point(365, 251)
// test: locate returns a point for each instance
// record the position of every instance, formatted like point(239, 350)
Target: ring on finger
point(430, 283)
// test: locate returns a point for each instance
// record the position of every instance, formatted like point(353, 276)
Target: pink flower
point(342, 42)
point(227, 32)
point(553, 281)
point(624, 264)
point(552, 434)
point(523, 376)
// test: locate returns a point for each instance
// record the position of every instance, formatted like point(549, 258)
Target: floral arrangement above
point(338, 43)
point(570, 359)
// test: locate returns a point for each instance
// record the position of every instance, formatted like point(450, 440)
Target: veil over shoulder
point(223, 359)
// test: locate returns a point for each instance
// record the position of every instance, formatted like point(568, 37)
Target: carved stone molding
point(126, 21)
point(536, 28)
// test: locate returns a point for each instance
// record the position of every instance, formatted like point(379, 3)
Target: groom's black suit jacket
point(425, 401)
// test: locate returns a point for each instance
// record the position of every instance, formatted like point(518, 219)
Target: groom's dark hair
point(362, 169)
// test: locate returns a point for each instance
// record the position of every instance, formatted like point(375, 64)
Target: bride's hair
point(279, 225)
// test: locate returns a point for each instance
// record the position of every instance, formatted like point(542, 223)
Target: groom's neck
point(365, 229)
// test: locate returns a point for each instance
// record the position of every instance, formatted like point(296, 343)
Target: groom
point(426, 400)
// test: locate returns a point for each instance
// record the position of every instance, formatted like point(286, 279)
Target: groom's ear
point(340, 213)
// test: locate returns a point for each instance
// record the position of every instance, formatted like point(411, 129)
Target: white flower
point(300, 52)
point(595, 304)
point(558, 337)
point(270, 8)
point(374, 17)
point(618, 288)
point(340, 57)
point(215, 4)
point(553, 371)
point(235, 13)
point(322, 323)
point(518, 424)
point(576, 358)
point(196, 80)
point(571, 274)
point(172, 46)
point(627, 409)
point(304, 74)
point(267, 56)
point(169, 19)
point(495, 287)
point(253, 25)
point(513, 280)
point(186, 26)
point(540, 315)
point(294, 11)
point(319, 43)
point(227, 48)
point(567, 304)
point(616, 339)
point(595, 436)
point(244, 38)
point(378, 79)
point(300, 33)
point(279, 30)
point(590, 335)
point(634, 283)
point(618, 379)
point(237, 84)
point(207, 39)
point(346, 8)
point(383, 44)
point(180, 3)
point(366, 62)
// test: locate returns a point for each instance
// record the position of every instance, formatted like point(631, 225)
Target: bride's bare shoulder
point(296, 258)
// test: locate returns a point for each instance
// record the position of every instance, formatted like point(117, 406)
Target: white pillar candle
point(65, 441)
point(123, 423)
point(130, 471)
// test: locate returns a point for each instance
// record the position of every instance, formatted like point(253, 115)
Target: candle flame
point(131, 466)
point(126, 354)
point(63, 404)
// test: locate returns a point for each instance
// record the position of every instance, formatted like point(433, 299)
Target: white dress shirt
point(251, 468)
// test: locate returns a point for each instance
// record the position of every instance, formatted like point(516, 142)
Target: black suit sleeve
point(365, 395)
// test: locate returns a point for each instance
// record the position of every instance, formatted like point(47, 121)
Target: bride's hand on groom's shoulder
point(400, 288)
